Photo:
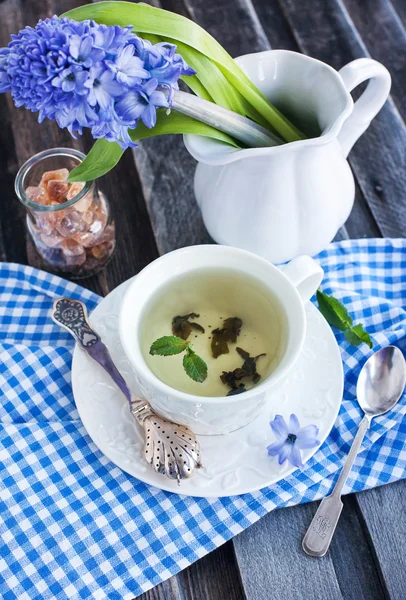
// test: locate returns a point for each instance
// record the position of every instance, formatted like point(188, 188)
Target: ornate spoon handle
point(72, 316)
point(318, 537)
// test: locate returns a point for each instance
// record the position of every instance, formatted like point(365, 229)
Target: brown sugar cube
point(57, 190)
point(100, 251)
point(58, 174)
point(84, 203)
point(96, 227)
point(74, 189)
point(88, 217)
point(46, 222)
point(108, 235)
point(73, 252)
point(70, 223)
point(37, 194)
point(51, 240)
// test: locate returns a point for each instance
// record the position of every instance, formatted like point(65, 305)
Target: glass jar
point(69, 224)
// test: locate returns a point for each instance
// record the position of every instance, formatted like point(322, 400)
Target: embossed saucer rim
point(105, 416)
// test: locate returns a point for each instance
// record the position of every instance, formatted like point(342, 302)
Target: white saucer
point(237, 463)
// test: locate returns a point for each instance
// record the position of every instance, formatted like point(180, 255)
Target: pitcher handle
point(369, 103)
point(305, 274)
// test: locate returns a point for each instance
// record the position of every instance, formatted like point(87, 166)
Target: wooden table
point(152, 196)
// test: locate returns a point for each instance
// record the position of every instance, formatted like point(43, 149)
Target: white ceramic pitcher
point(289, 200)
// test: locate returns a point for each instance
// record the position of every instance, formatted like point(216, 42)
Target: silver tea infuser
point(171, 449)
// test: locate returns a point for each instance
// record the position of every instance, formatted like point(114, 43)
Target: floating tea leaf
point(228, 333)
point(250, 364)
point(233, 327)
point(248, 369)
point(238, 390)
point(182, 326)
point(230, 378)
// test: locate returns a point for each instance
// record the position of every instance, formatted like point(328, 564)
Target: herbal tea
point(224, 319)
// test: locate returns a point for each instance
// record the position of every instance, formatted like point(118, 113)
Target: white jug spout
point(369, 103)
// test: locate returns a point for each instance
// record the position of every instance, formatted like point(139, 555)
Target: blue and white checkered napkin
point(73, 525)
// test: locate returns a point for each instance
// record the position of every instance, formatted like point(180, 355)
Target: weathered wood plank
point(383, 512)
point(384, 36)
point(234, 23)
point(272, 564)
point(400, 8)
point(213, 577)
point(361, 223)
point(326, 32)
point(12, 229)
point(353, 556)
point(166, 172)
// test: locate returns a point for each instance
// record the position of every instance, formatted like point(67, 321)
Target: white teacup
point(292, 285)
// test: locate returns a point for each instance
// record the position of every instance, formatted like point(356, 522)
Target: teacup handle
point(369, 103)
point(305, 274)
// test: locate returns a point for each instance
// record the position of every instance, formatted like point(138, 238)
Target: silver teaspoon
point(169, 448)
point(379, 387)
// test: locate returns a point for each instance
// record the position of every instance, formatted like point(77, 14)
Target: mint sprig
point(194, 365)
point(338, 316)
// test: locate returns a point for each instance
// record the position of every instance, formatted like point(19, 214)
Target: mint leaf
point(334, 311)
point(194, 366)
point(168, 345)
point(338, 316)
point(356, 335)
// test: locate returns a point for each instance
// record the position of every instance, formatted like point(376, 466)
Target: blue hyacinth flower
point(82, 74)
point(292, 439)
point(141, 102)
point(103, 88)
point(128, 68)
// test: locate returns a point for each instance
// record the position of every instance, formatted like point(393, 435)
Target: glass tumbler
point(70, 224)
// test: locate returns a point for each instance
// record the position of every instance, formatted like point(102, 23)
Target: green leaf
point(105, 155)
point(168, 345)
point(337, 315)
point(209, 82)
point(194, 366)
point(101, 159)
point(357, 334)
point(211, 78)
point(334, 311)
point(197, 87)
point(151, 20)
point(175, 122)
